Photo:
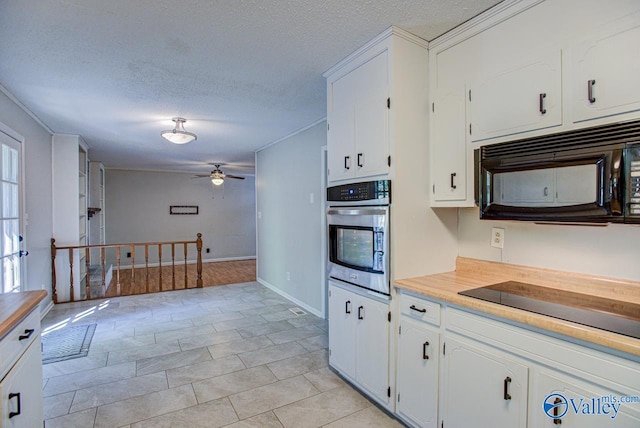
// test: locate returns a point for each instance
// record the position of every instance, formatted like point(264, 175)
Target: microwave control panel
point(370, 192)
point(633, 180)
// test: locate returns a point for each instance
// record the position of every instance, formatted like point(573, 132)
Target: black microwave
point(585, 176)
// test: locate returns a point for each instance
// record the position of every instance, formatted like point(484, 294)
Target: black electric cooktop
point(606, 314)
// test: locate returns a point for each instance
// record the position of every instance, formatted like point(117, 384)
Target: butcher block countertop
point(472, 273)
point(15, 306)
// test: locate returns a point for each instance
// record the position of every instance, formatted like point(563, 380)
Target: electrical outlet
point(497, 237)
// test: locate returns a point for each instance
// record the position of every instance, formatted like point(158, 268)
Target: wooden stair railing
point(117, 274)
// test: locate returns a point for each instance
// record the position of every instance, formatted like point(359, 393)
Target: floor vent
point(297, 311)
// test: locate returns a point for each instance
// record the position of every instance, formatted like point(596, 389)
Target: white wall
point(37, 191)
point(137, 210)
point(612, 251)
point(289, 225)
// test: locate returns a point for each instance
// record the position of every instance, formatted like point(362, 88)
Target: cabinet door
point(21, 391)
point(574, 400)
point(522, 99)
point(342, 330)
point(372, 347)
point(418, 357)
point(358, 118)
point(448, 146)
point(372, 118)
point(341, 127)
point(606, 73)
point(483, 387)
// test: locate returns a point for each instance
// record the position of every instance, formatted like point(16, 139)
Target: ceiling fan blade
point(233, 176)
point(201, 175)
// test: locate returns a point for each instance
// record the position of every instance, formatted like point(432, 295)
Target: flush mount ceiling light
point(178, 135)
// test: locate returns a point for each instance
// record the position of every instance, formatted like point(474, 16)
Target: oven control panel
point(378, 192)
point(633, 180)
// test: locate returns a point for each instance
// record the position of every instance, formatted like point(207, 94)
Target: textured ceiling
point(244, 73)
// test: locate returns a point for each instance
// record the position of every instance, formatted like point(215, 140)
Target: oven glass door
point(358, 247)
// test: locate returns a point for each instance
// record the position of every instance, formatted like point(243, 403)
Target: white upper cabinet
point(448, 146)
point(606, 72)
point(523, 98)
point(358, 121)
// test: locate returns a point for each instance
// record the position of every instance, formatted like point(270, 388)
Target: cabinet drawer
point(18, 340)
point(419, 308)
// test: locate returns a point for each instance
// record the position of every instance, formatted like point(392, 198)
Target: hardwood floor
point(214, 273)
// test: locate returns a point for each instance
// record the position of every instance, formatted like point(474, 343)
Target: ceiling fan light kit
point(178, 135)
point(217, 180)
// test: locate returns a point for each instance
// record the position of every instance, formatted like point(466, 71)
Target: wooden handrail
point(86, 250)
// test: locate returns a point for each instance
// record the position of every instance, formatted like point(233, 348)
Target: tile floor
point(231, 355)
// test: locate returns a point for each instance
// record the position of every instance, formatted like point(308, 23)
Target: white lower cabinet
point(457, 368)
point(483, 387)
point(21, 391)
point(418, 367)
point(359, 341)
point(560, 399)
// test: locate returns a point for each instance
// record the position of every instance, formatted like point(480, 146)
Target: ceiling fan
point(217, 176)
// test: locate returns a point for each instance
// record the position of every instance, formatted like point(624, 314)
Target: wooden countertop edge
point(588, 334)
point(14, 307)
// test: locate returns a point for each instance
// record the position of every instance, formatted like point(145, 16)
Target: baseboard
point(46, 310)
point(306, 307)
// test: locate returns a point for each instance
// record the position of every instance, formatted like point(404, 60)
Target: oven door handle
point(358, 211)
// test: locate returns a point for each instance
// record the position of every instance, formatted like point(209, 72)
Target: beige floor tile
point(145, 407)
point(322, 409)
point(208, 339)
point(171, 361)
point(324, 379)
point(371, 417)
point(239, 346)
point(118, 391)
point(272, 396)
point(57, 405)
point(294, 334)
point(271, 354)
point(222, 386)
point(167, 336)
point(265, 420)
point(205, 370)
point(90, 362)
point(300, 364)
point(139, 352)
point(213, 414)
point(82, 419)
point(88, 378)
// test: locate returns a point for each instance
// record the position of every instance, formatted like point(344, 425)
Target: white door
point(522, 99)
point(483, 387)
point(342, 330)
point(372, 347)
point(10, 214)
point(418, 353)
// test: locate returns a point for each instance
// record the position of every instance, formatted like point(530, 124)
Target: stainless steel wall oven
point(358, 234)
